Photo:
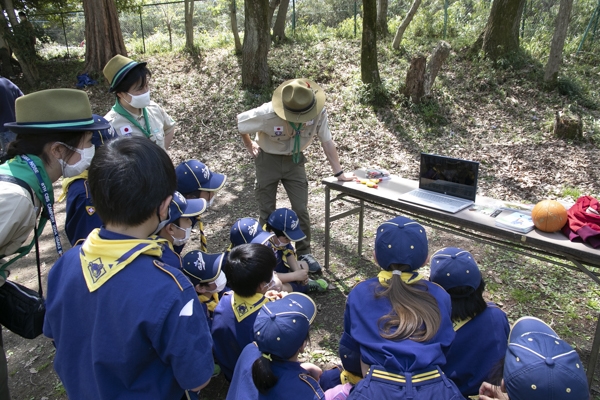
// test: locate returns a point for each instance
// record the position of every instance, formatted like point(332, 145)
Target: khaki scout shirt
point(275, 135)
point(17, 217)
point(160, 122)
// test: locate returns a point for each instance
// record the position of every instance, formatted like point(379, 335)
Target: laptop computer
point(445, 183)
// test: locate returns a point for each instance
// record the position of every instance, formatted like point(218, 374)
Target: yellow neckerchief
point(210, 301)
point(101, 259)
point(408, 277)
point(285, 252)
point(459, 323)
point(349, 377)
point(67, 181)
point(245, 306)
point(203, 242)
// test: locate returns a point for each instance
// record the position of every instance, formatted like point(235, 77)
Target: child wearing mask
point(397, 326)
point(134, 114)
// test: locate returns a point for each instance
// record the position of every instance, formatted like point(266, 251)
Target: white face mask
point(69, 170)
point(221, 281)
point(181, 242)
point(162, 224)
point(140, 101)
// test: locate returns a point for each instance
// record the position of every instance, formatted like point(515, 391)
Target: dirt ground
point(501, 123)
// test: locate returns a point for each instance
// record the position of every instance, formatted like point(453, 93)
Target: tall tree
point(189, 25)
point(279, 27)
point(369, 70)
point(558, 41)
point(255, 70)
point(18, 42)
point(382, 23)
point(234, 27)
point(409, 16)
point(103, 35)
point(501, 34)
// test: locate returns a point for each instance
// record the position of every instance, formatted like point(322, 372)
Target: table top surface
point(388, 192)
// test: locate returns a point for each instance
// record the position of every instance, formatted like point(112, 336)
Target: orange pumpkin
point(549, 215)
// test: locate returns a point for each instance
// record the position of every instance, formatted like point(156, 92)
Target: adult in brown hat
point(134, 114)
point(53, 139)
point(284, 128)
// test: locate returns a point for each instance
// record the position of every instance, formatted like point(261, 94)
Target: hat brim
point(212, 262)
point(295, 235)
point(262, 237)
point(122, 73)
point(42, 128)
point(216, 182)
point(194, 208)
point(525, 325)
point(291, 116)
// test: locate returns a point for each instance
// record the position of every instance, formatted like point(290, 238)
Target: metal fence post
point(62, 20)
point(294, 17)
point(445, 17)
point(355, 12)
point(142, 25)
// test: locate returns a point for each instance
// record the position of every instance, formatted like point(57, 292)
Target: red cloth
point(582, 223)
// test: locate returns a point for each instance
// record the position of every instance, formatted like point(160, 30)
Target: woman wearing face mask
point(134, 113)
point(53, 130)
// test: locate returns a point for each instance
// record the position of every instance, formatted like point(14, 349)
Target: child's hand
point(275, 295)
point(301, 276)
point(312, 369)
point(487, 391)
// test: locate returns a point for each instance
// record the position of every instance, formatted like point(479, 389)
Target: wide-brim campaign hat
point(182, 207)
point(539, 365)
point(54, 110)
point(298, 100)
point(248, 230)
point(193, 175)
point(117, 68)
point(201, 267)
point(453, 267)
point(287, 221)
point(282, 326)
point(401, 241)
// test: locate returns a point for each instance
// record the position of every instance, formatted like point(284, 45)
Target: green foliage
point(346, 28)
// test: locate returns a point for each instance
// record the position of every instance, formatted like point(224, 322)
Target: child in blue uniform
point(81, 214)
point(481, 328)
point(248, 230)
point(398, 326)
point(196, 181)
point(293, 274)
point(249, 271)
point(178, 227)
point(269, 368)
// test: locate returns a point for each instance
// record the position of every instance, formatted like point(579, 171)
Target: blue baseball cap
point(192, 175)
point(187, 208)
point(282, 326)
point(540, 366)
point(401, 241)
point(248, 230)
point(452, 267)
point(287, 221)
point(102, 136)
point(202, 267)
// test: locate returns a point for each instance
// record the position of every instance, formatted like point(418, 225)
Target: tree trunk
point(439, 55)
point(500, 38)
point(404, 24)
point(273, 4)
point(20, 46)
point(415, 79)
point(255, 70)
point(103, 37)
point(234, 27)
point(279, 27)
point(558, 41)
point(382, 23)
point(369, 71)
point(189, 25)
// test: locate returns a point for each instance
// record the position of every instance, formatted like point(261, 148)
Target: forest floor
point(501, 117)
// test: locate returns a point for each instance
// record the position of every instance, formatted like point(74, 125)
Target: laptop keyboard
point(432, 197)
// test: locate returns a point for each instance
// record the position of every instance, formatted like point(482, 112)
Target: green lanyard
point(120, 110)
point(296, 152)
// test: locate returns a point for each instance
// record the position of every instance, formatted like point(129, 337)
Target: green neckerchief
point(18, 168)
point(122, 111)
point(296, 152)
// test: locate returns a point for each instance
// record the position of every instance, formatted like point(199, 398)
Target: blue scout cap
point(282, 326)
point(248, 230)
point(287, 221)
point(193, 175)
point(102, 136)
point(540, 366)
point(401, 241)
point(202, 267)
point(180, 207)
point(452, 267)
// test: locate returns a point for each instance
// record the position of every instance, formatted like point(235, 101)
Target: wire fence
point(160, 26)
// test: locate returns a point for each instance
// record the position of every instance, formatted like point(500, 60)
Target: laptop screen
point(451, 176)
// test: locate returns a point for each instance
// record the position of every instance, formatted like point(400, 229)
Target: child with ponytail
point(398, 326)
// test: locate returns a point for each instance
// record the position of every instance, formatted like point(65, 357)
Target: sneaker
point(216, 370)
point(313, 264)
point(318, 285)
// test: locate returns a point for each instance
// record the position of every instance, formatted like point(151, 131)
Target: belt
point(416, 378)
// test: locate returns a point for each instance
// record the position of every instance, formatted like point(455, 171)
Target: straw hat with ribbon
point(298, 100)
point(117, 68)
point(54, 110)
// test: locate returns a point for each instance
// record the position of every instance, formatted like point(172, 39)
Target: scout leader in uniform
point(284, 128)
